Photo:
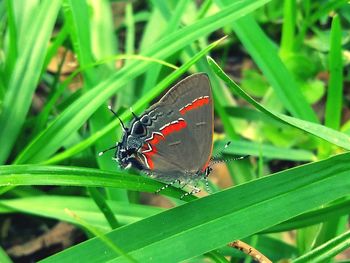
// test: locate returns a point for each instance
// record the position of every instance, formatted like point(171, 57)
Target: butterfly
point(172, 141)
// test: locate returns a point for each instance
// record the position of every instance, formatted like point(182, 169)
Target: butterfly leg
point(207, 184)
point(195, 190)
point(184, 185)
point(207, 171)
point(167, 185)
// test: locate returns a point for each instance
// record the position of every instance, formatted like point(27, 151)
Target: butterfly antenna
point(115, 114)
point(133, 114)
point(111, 148)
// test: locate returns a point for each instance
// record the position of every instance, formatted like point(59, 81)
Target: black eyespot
point(138, 129)
point(145, 120)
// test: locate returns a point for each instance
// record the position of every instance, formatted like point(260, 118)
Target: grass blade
point(337, 138)
point(266, 56)
point(224, 216)
point(327, 251)
point(335, 88)
point(268, 151)
point(104, 207)
point(312, 218)
point(25, 76)
point(53, 206)
point(14, 175)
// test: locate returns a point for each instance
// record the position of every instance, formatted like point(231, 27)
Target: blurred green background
point(280, 77)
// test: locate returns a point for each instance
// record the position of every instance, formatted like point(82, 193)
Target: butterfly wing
point(179, 140)
point(192, 98)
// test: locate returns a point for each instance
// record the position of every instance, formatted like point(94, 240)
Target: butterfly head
point(126, 154)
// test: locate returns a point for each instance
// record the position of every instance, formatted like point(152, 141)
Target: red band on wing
point(149, 148)
point(174, 126)
point(199, 102)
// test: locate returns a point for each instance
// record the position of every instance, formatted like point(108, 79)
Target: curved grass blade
point(337, 138)
point(327, 251)
point(266, 56)
point(15, 175)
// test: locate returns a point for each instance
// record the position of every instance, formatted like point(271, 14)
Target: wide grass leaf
point(15, 175)
point(211, 222)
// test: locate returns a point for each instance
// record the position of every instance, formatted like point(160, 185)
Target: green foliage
point(288, 112)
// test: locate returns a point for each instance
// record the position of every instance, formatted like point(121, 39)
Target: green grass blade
point(224, 216)
point(337, 138)
point(112, 245)
point(335, 88)
point(80, 110)
point(53, 207)
point(288, 27)
point(4, 258)
point(57, 42)
point(327, 251)
point(204, 8)
point(151, 36)
point(104, 207)
point(320, 12)
point(127, 97)
point(266, 57)
point(12, 52)
point(312, 218)
point(15, 175)
point(102, 27)
point(25, 76)
point(268, 151)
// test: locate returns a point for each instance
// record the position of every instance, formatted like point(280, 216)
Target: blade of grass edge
point(326, 251)
point(337, 138)
point(335, 86)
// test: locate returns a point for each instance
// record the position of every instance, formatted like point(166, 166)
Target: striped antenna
point(115, 114)
point(111, 148)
